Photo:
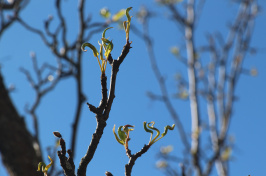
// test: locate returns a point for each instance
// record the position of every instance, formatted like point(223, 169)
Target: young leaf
point(41, 166)
point(95, 52)
point(101, 51)
point(127, 129)
point(125, 25)
point(146, 129)
point(153, 128)
point(168, 128)
point(121, 134)
point(50, 164)
point(103, 35)
point(105, 13)
point(118, 15)
point(117, 138)
point(105, 41)
point(127, 14)
point(109, 48)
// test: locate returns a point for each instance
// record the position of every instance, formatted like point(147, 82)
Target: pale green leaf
point(127, 14)
point(105, 13)
point(118, 15)
point(103, 35)
point(95, 52)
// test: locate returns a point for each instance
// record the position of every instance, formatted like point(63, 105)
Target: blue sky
point(135, 78)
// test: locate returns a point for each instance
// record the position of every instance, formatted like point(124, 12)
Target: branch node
point(93, 108)
point(108, 173)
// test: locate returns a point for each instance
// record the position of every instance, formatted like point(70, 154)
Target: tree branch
point(133, 158)
point(102, 114)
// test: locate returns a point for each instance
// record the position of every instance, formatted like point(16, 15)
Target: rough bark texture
point(16, 143)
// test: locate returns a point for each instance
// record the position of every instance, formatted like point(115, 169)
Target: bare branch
point(161, 81)
point(193, 97)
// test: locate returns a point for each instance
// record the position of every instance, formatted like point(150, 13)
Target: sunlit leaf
point(50, 164)
point(117, 138)
point(127, 14)
point(118, 15)
point(41, 166)
point(103, 35)
point(128, 128)
point(109, 48)
point(168, 128)
point(146, 129)
point(121, 134)
point(125, 25)
point(105, 13)
point(95, 52)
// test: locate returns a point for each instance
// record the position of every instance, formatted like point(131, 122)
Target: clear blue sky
point(135, 78)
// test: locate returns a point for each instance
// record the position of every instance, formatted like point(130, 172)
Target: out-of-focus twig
point(16, 7)
point(69, 54)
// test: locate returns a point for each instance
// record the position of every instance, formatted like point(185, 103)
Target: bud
point(57, 134)
point(108, 173)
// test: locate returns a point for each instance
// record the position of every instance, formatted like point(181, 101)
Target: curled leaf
point(50, 164)
point(95, 52)
point(168, 128)
point(117, 138)
point(127, 24)
point(106, 41)
point(103, 35)
point(149, 127)
point(121, 133)
point(153, 128)
point(127, 14)
point(41, 166)
point(146, 129)
point(127, 129)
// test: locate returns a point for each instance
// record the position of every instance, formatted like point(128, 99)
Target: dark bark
point(16, 143)
point(133, 158)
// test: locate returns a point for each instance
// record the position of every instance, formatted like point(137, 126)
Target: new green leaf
point(118, 15)
point(95, 52)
